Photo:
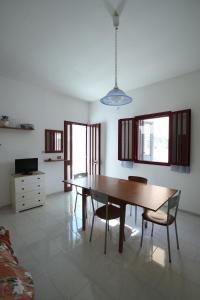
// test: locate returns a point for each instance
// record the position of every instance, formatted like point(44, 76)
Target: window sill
point(152, 163)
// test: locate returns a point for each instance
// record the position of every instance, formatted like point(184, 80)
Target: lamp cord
point(116, 29)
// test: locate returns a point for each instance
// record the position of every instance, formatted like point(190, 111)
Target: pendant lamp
point(116, 97)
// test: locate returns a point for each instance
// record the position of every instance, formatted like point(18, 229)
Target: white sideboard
point(28, 190)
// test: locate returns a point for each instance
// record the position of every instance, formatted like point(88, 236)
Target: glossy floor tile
point(50, 243)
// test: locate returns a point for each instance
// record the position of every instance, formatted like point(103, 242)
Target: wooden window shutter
point(67, 154)
point(93, 149)
point(180, 137)
point(125, 139)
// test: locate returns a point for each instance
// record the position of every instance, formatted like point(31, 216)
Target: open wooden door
point(93, 146)
point(67, 154)
point(93, 143)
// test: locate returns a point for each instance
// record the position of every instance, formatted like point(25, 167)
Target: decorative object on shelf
point(27, 126)
point(116, 97)
point(4, 121)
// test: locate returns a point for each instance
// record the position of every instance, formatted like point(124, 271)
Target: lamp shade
point(116, 97)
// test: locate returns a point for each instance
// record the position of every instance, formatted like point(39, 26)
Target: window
point(53, 141)
point(160, 138)
point(152, 138)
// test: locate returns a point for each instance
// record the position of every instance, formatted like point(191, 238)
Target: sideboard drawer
point(29, 195)
point(28, 187)
point(22, 205)
point(24, 181)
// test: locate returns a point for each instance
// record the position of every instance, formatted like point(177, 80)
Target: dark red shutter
point(67, 154)
point(180, 137)
point(93, 139)
point(125, 139)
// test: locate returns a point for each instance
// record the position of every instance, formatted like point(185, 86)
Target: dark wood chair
point(106, 212)
point(164, 219)
point(79, 190)
point(140, 180)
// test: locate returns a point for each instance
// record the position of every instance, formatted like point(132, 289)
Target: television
point(26, 165)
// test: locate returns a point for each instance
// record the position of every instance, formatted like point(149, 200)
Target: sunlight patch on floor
point(159, 256)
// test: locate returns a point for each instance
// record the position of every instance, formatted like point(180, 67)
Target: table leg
point(121, 230)
point(84, 201)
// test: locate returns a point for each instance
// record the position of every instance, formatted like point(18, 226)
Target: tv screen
point(26, 165)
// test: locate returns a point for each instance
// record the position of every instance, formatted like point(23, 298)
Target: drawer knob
point(38, 185)
point(38, 178)
point(23, 196)
point(39, 200)
point(22, 180)
point(23, 204)
point(39, 193)
point(23, 189)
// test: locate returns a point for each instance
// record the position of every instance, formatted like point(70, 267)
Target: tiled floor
point(49, 242)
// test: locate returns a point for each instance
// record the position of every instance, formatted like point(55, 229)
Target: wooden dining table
point(122, 192)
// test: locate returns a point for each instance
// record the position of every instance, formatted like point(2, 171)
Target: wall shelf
point(53, 160)
point(16, 128)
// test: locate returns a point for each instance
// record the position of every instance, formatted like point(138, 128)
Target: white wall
point(174, 94)
point(30, 104)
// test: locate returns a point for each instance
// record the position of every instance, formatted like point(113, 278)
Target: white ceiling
point(68, 45)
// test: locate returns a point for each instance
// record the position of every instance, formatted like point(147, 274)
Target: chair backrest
point(173, 203)
point(138, 179)
point(99, 197)
point(79, 175)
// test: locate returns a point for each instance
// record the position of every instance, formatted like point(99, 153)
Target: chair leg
point(124, 237)
point(168, 240)
point(142, 233)
point(92, 205)
point(131, 210)
point(124, 234)
point(145, 223)
point(105, 243)
point(176, 235)
point(152, 229)
point(75, 203)
point(91, 231)
point(135, 214)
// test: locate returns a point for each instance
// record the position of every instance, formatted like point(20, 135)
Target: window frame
point(182, 157)
point(50, 147)
point(136, 128)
